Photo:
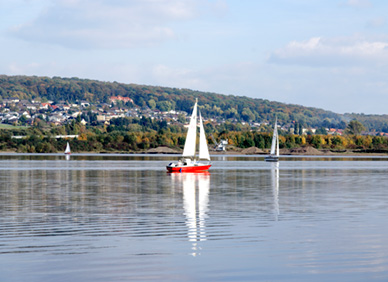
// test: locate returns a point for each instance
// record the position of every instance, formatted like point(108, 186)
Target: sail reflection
point(195, 188)
point(275, 187)
point(67, 157)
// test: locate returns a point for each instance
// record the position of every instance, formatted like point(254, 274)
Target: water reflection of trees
point(72, 190)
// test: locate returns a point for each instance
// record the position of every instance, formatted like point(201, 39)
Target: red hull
point(188, 168)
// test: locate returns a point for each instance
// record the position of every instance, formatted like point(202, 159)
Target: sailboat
point(67, 151)
point(274, 154)
point(188, 162)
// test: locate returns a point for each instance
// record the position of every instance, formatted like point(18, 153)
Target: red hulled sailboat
point(188, 161)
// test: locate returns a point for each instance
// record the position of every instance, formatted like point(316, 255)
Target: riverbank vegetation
point(116, 117)
point(139, 135)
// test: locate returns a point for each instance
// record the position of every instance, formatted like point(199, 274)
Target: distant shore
point(301, 151)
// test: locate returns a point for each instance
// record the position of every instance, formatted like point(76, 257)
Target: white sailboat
point(274, 154)
point(67, 150)
point(188, 162)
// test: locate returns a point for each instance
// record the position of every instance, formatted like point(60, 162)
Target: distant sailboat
point(67, 151)
point(188, 162)
point(274, 154)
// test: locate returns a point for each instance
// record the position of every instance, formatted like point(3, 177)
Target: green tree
point(321, 131)
point(23, 120)
point(152, 104)
point(354, 127)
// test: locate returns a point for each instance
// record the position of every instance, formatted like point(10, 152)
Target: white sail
point(189, 149)
point(67, 151)
point(274, 138)
point(203, 150)
point(277, 142)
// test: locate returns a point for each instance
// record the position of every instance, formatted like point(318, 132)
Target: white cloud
point(321, 52)
point(359, 3)
point(376, 22)
point(109, 23)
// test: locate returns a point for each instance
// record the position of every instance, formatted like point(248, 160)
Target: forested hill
point(74, 90)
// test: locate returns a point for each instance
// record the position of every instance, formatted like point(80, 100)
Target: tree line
point(126, 135)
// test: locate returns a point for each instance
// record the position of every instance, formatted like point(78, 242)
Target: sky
point(329, 54)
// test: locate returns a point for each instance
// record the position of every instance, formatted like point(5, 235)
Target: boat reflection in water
point(195, 189)
point(67, 157)
point(275, 187)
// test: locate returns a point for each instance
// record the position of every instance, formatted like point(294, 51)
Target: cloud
point(110, 23)
point(359, 3)
point(376, 22)
point(327, 52)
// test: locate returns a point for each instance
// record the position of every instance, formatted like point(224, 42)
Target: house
point(63, 106)
point(85, 104)
point(31, 107)
point(26, 114)
point(14, 100)
point(76, 114)
point(57, 118)
point(114, 99)
point(101, 118)
point(36, 101)
point(45, 106)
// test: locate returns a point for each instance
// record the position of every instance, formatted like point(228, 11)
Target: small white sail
point(277, 142)
point(189, 149)
point(274, 138)
point(67, 151)
point(203, 150)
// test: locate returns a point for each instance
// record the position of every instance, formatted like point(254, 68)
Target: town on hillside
point(14, 111)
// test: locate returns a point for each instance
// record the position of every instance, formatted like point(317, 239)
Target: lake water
point(123, 218)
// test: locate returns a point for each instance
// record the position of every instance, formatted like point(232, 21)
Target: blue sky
point(330, 54)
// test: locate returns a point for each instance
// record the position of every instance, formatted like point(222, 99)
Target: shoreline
point(214, 153)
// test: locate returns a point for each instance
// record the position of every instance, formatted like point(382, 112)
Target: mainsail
point(189, 149)
point(275, 144)
point(203, 150)
point(67, 150)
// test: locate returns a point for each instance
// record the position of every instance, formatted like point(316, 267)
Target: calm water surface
point(123, 218)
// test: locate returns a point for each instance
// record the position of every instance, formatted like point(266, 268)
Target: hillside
point(229, 107)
